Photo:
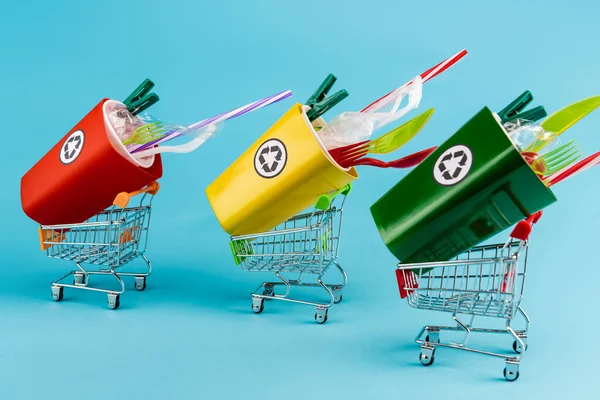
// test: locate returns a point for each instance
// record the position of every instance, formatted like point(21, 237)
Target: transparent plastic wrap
point(199, 135)
point(122, 121)
point(551, 157)
point(136, 130)
point(527, 135)
point(201, 128)
point(353, 127)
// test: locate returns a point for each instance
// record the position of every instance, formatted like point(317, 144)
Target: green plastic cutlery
point(557, 159)
point(146, 133)
point(398, 137)
point(563, 119)
point(386, 143)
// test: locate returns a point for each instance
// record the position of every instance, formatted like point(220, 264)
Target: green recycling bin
point(472, 187)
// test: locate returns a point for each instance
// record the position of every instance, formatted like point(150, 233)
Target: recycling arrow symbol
point(453, 165)
point(277, 158)
point(270, 158)
point(457, 170)
point(72, 147)
point(70, 154)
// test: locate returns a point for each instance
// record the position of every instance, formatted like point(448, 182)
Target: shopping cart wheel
point(269, 290)
point(140, 283)
point(517, 346)
point(57, 293)
point(427, 357)
point(114, 301)
point(321, 315)
point(428, 339)
point(511, 372)
point(258, 305)
point(337, 296)
point(79, 279)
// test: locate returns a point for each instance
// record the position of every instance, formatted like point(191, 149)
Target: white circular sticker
point(453, 165)
point(72, 147)
point(270, 158)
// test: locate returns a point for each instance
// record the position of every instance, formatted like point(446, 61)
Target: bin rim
point(116, 143)
point(320, 122)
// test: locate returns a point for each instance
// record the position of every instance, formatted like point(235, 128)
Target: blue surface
point(192, 334)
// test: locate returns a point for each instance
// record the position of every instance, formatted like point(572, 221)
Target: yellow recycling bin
point(283, 173)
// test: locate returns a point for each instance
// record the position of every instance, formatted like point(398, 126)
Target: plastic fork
point(387, 143)
point(146, 133)
point(557, 159)
point(581, 166)
point(409, 161)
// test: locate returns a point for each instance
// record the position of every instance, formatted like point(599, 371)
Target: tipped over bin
point(81, 175)
point(283, 173)
point(472, 187)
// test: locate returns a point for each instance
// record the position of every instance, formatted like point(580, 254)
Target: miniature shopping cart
point(305, 245)
point(485, 281)
point(109, 240)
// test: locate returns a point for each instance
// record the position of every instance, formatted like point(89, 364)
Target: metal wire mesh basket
point(109, 240)
point(306, 244)
point(112, 238)
point(486, 281)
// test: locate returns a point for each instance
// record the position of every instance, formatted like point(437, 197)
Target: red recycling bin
point(81, 175)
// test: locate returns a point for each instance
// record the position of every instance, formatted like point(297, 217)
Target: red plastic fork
point(404, 162)
point(339, 153)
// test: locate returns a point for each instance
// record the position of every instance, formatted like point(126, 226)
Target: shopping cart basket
point(485, 281)
point(304, 244)
point(108, 240)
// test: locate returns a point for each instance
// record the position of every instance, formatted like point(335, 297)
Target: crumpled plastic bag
point(122, 121)
point(353, 127)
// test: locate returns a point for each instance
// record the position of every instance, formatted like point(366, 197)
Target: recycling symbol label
point(453, 165)
point(72, 147)
point(270, 158)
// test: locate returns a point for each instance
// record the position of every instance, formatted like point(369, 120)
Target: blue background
point(192, 334)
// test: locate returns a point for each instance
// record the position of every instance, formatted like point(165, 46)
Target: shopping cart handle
point(123, 198)
point(324, 202)
point(536, 217)
point(523, 228)
point(49, 238)
point(407, 281)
